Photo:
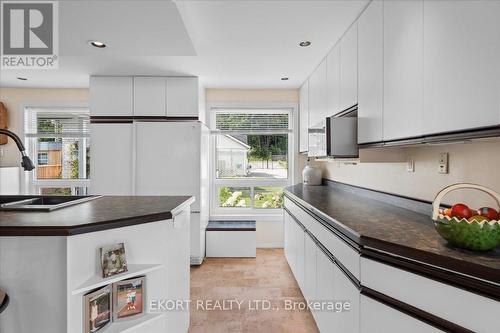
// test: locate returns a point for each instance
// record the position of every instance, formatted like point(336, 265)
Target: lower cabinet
point(378, 317)
point(310, 249)
point(332, 289)
point(321, 280)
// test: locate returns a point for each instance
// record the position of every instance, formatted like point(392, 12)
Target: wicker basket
point(472, 235)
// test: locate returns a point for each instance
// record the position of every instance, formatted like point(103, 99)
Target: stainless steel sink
point(42, 203)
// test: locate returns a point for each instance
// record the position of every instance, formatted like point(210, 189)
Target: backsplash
point(475, 162)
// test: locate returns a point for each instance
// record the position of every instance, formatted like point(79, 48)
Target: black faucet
point(26, 163)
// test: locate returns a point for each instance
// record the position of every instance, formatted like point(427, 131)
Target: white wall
point(475, 162)
point(269, 229)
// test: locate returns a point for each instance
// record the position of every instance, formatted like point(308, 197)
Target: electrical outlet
point(443, 163)
point(410, 164)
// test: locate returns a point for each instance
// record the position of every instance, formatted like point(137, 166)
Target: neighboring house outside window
point(43, 159)
point(59, 138)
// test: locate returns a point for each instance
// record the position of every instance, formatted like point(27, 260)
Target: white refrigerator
point(155, 158)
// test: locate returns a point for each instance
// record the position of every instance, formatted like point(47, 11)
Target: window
point(43, 158)
point(59, 138)
point(251, 159)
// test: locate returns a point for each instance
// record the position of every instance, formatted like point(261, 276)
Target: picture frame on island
point(98, 309)
point(129, 297)
point(113, 260)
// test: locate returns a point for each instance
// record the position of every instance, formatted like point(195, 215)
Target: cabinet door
point(172, 168)
point(403, 69)
point(149, 96)
point(304, 117)
point(299, 263)
point(333, 81)
point(111, 162)
point(378, 317)
point(182, 97)
point(111, 96)
point(345, 290)
point(325, 320)
point(309, 268)
point(318, 96)
point(286, 235)
point(461, 65)
point(370, 73)
point(349, 68)
point(292, 243)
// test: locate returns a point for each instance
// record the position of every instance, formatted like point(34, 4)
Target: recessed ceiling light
point(22, 78)
point(305, 43)
point(98, 44)
point(284, 79)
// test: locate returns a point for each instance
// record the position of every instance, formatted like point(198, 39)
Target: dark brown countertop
point(103, 213)
point(375, 224)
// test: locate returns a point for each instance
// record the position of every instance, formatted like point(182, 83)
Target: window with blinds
point(58, 139)
point(251, 159)
point(261, 121)
point(64, 122)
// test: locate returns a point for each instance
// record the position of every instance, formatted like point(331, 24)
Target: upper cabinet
point(303, 117)
point(461, 65)
point(333, 81)
point(144, 96)
point(403, 69)
point(371, 73)
point(182, 97)
point(111, 96)
point(318, 96)
point(149, 96)
point(349, 68)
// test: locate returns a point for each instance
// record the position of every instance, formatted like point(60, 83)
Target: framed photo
point(98, 309)
point(129, 297)
point(113, 260)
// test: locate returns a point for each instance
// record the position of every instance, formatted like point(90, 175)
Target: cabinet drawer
point(442, 300)
point(344, 253)
point(378, 317)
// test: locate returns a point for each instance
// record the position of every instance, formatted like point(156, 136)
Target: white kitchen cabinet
point(111, 96)
point(349, 68)
point(333, 81)
point(111, 162)
point(345, 290)
point(325, 320)
point(290, 242)
point(371, 73)
point(149, 96)
point(182, 97)
point(403, 69)
point(304, 117)
point(300, 250)
point(310, 248)
point(461, 65)
point(152, 178)
point(318, 96)
point(378, 317)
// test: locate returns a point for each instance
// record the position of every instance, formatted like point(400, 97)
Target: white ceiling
point(228, 44)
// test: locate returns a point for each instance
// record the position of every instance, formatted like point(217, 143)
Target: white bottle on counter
point(311, 176)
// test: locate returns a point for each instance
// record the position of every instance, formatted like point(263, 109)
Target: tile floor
point(267, 277)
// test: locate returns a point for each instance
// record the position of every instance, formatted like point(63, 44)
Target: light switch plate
point(443, 163)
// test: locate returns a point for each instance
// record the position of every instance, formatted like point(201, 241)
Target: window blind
point(252, 122)
point(57, 122)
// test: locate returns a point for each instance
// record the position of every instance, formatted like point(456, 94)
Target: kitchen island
point(381, 252)
point(50, 260)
